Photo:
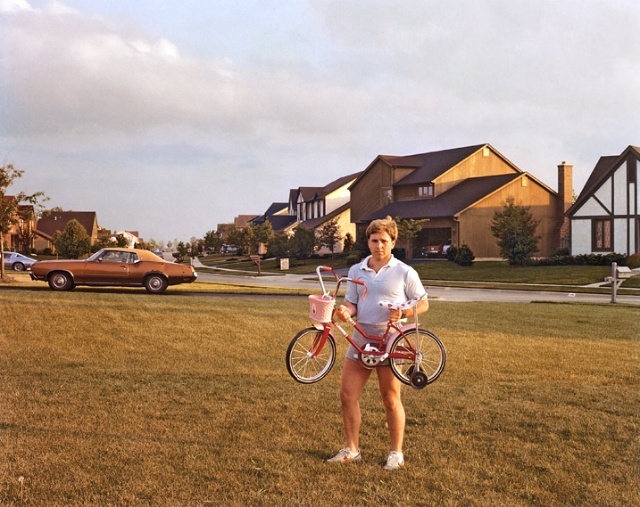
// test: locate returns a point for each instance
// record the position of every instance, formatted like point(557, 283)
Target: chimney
point(565, 200)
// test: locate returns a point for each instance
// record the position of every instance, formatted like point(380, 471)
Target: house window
point(632, 170)
point(602, 235)
point(425, 191)
point(387, 196)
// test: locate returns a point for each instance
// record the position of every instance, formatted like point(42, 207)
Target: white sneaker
point(345, 456)
point(394, 461)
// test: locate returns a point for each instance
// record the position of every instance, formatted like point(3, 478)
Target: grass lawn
point(432, 272)
point(112, 398)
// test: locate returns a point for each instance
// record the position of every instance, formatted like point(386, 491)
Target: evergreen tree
point(514, 227)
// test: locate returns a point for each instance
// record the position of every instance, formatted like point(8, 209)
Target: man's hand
point(343, 313)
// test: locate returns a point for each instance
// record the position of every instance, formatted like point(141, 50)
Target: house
point(458, 191)
point(605, 217)
point(278, 216)
point(20, 235)
point(131, 237)
point(315, 206)
point(56, 221)
point(312, 207)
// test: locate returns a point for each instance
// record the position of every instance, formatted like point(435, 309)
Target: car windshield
point(96, 255)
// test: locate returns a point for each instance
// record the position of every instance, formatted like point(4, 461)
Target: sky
point(169, 118)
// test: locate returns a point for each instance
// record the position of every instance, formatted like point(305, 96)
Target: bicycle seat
point(405, 305)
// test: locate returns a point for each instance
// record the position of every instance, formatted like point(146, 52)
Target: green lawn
point(443, 271)
point(115, 397)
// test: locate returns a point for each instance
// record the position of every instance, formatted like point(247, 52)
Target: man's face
point(380, 245)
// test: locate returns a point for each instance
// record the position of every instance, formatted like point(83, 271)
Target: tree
point(514, 227)
point(263, 235)
point(408, 229)
point(329, 235)
point(73, 242)
point(348, 243)
point(212, 241)
point(9, 216)
point(248, 240)
point(303, 242)
point(281, 245)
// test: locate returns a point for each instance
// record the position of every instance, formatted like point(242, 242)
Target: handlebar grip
point(325, 268)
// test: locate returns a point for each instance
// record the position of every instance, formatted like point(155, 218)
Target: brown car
point(114, 266)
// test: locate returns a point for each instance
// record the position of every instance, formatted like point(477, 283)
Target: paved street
point(439, 293)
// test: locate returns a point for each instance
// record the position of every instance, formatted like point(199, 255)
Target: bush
point(464, 256)
point(562, 258)
point(354, 257)
point(633, 261)
point(452, 253)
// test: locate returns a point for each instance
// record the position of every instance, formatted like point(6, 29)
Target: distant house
point(458, 191)
point(312, 207)
point(131, 237)
point(56, 221)
point(278, 216)
point(605, 217)
point(20, 236)
point(315, 206)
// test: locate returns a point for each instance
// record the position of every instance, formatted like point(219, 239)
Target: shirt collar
point(364, 266)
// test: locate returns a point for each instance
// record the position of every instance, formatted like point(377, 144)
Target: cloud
point(302, 95)
point(72, 76)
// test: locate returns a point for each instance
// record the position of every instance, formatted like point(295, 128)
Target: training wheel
point(419, 380)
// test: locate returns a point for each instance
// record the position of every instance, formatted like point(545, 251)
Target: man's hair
point(387, 225)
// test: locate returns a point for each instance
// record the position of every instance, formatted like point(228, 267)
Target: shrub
point(514, 227)
point(633, 261)
point(562, 258)
point(354, 257)
point(464, 256)
point(452, 253)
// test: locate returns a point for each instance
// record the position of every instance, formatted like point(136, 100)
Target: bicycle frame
point(384, 342)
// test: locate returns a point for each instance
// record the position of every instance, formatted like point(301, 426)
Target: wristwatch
point(403, 315)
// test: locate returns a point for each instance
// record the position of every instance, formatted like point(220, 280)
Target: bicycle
point(417, 357)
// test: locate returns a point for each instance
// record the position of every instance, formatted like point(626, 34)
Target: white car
point(17, 261)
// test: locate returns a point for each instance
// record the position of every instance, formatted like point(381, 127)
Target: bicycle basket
point(321, 308)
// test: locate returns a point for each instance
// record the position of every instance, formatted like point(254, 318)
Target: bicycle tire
point(306, 364)
point(434, 355)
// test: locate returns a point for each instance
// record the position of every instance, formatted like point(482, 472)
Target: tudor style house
point(458, 191)
point(313, 207)
point(605, 217)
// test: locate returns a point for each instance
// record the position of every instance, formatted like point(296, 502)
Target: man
point(388, 279)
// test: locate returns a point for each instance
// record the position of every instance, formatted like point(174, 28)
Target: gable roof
point(58, 220)
point(449, 203)
point(428, 166)
point(604, 167)
point(281, 223)
point(313, 193)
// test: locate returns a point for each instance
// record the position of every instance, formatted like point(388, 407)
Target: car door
point(111, 268)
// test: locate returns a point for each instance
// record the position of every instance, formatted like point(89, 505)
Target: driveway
point(455, 294)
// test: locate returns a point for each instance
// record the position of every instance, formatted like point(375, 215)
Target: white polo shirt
point(395, 282)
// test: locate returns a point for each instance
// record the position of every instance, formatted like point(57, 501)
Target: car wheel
point(18, 266)
point(60, 281)
point(155, 284)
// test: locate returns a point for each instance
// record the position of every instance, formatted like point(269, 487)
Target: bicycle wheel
point(434, 355)
point(306, 361)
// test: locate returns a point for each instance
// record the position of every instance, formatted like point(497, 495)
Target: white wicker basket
point(321, 308)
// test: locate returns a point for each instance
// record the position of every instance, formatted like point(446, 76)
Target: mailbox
point(623, 272)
